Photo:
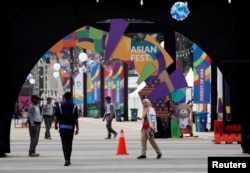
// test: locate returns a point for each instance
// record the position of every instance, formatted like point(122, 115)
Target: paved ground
point(92, 154)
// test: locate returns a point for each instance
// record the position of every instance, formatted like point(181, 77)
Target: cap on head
point(108, 98)
point(35, 97)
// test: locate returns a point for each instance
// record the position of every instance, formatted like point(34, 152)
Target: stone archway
point(32, 31)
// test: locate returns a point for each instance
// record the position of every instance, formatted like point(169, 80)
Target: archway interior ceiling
point(148, 57)
point(200, 37)
point(150, 3)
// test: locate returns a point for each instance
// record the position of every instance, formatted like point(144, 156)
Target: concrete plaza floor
point(93, 154)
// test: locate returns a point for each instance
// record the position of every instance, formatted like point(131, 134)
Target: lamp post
point(83, 57)
point(72, 70)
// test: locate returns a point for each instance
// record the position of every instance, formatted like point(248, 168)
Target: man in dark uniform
point(245, 134)
point(67, 117)
point(34, 119)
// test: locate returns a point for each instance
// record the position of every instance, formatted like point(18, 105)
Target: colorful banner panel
point(202, 75)
point(114, 82)
point(23, 102)
point(94, 85)
point(78, 88)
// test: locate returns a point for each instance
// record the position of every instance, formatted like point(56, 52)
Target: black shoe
point(245, 150)
point(3, 155)
point(158, 156)
point(67, 163)
point(141, 157)
point(34, 154)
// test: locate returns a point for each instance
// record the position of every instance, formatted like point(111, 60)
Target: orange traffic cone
point(121, 149)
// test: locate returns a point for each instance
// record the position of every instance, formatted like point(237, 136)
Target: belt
point(48, 115)
point(35, 122)
point(66, 126)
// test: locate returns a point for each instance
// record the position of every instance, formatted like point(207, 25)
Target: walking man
point(47, 112)
point(109, 115)
point(34, 119)
point(67, 117)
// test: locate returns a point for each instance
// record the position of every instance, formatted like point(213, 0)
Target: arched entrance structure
point(29, 32)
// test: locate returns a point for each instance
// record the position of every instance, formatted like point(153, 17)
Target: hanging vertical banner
point(118, 82)
point(202, 75)
point(95, 91)
point(108, 72)
point(118, 91)
point(220, 91)
point(110, 88)
point(201, 83)
point(78, 89)
point(90, 93)
point(64, 71)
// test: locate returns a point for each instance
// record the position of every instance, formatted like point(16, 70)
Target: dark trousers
point(67, 140)
point(48, 119)
point(245, 137)
point(110, 130)
point(34, 137)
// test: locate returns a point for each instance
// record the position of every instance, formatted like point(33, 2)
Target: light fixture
point(162, 44)
point(97, 1)
point(141, 2)
point(229, 1)
point(56, 74)
point(83, 57)
point(56, 66)
point(32, 81)
point(30, 76)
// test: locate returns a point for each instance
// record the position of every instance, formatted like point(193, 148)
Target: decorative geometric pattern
point(148, 57)
point(23, 102)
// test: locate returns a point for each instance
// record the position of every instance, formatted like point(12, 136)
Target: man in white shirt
point(34, 119)
point(109, 116)
point(47, 112)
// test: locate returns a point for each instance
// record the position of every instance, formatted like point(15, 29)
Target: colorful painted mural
point(23, 102)
point(93, 85)
point(114, 82)
point(148, 58)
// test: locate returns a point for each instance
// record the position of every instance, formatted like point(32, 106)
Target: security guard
point(67, 118)
point(245, 136)
point(34, 119)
